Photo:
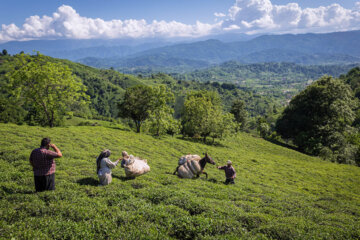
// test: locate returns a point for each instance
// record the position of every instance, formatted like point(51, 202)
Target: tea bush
point(279, 193)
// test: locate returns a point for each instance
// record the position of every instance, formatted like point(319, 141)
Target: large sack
point(190, 169)
point(137, 167)
point(184, 158)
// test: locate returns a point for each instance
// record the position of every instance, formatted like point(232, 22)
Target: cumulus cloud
point(67, 23)
point(245, 16)
point(261, 16)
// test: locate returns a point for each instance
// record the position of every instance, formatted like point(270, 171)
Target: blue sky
point(173, 18)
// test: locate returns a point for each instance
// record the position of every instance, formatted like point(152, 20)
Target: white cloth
point(104, 173)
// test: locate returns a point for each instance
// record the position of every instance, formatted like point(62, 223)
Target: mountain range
point(329, 48)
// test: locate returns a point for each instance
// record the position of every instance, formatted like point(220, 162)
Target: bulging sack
point(185, 158)
point(137, 167)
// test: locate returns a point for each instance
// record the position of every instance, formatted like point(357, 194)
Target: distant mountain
point(283, 55)
point(329, 48)
point(151, 63)
point(77, 49)
point(215, 51)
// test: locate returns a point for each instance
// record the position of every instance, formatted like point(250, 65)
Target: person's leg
point(40, 183)
point(50, 182)
point(232, 181)
point(227, 181)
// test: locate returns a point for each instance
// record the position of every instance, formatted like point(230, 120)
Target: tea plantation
point(279, 193)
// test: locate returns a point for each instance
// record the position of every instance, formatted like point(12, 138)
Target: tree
point(263, 127)
point(137, 104)
point(319, 117)
point(240, 114)
point(49, 89)
point(161, 118)
point(4, 52)
point(203, 115)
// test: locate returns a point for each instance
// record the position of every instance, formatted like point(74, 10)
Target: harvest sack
point(191, 168)
point(136, 167)
point(183, 159)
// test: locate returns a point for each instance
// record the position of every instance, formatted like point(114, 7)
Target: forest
point(40, 90)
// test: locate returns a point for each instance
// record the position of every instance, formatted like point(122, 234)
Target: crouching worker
point(43, 163)
point(104, 166)
point(230, 172)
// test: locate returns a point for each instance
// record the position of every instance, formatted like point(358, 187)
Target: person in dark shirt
point(43, 163)
point(230, 172)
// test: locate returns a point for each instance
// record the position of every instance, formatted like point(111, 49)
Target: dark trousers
point(43, 183)
point(229, 180)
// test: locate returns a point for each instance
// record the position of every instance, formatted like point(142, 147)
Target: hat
point(229, 162)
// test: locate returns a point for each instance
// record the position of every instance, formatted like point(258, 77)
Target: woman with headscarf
point(104, 166)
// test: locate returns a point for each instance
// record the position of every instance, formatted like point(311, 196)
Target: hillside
point(279, 193)
point(106, 88)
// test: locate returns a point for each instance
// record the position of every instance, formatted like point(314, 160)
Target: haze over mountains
point(330, 48)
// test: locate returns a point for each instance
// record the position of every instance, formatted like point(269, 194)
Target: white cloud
point(67, 23)
point(245, 16)
point(219, 14)
point(261, 16)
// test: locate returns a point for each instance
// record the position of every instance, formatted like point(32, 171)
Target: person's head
point(45, 143)
point(229, 163)
point(106, 153)
point(125, 155)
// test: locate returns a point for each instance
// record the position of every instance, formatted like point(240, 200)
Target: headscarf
point(104, 154)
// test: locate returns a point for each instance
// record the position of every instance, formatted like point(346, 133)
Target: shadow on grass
point(282, 144)
point(123, 178)
point(119, 128)
point(14, 191)
point(88, 181)
point(213, 180)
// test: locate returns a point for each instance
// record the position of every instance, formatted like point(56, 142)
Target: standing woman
point(104, 166)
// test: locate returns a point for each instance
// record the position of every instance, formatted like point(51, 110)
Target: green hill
point(279, 193)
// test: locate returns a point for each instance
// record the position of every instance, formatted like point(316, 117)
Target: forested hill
point(106, 88)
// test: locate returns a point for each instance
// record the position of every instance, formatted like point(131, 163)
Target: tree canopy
point(49, 90)
point(203, 115)
point(320, 117)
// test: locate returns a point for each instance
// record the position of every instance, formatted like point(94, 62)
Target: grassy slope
point(279, 193)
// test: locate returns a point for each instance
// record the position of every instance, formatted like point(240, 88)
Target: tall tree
point(48, 88)
point(320, 117)
point(203, 115)
point(137, 104)
point(161, 119)
point(240, 114)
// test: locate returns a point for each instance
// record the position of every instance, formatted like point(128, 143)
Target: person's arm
point(111, 164)
point(57, 150)
point(234, 174)
point(221, 168)
point(123, 162)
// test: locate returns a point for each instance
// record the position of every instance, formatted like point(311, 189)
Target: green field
point(279, 193)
